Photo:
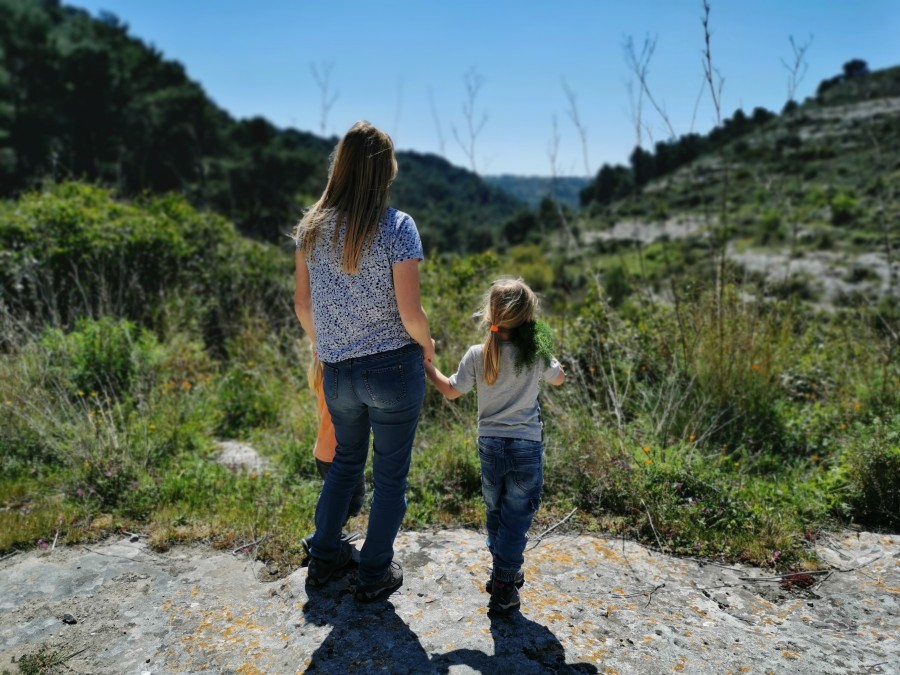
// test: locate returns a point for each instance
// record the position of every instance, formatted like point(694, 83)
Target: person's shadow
point(373, 638)
point(520, 646)
point(365, 638)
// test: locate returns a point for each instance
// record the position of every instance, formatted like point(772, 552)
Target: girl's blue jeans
point(382, 392)
point(512, 475)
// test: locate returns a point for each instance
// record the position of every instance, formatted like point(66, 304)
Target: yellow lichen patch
point(610, 671)
point(679, 667)
point(791, 656)
point(744, 669)
point(618, 591)
point(248, 669)
point(195, 591)
point(647, 639)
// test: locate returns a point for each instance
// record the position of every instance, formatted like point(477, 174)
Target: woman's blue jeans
point(512, 475)
point(383, 392)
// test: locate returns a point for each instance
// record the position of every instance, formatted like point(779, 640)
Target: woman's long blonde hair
point(507, 305)
point(356, 195)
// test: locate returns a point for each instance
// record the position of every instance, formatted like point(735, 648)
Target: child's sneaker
point(320, 571)
point(519, 581)
point(504, 596)
point(390, 582)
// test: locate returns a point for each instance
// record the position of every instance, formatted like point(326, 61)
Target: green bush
point(872, 461)
point(105, 357)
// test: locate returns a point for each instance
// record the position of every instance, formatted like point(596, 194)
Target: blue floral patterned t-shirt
point(357, 314)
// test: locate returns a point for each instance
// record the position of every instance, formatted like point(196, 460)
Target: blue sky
point(403, 65)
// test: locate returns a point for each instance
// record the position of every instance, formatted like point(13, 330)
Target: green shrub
point(844, 209)
point(872, 461)
point(106, 357)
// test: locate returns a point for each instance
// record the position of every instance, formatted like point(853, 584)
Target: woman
point(357, 298)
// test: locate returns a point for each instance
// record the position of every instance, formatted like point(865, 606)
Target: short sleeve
point(406, 243)
point(463, 380)
point(553, 370)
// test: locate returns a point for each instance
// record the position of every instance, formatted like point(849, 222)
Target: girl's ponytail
point(508, 304)
point(491, 357)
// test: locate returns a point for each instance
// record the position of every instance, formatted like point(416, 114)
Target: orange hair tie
point(495, 328)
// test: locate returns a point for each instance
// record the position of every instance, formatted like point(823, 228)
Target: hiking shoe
point(504, 597)
point(390, 582)
point(519, 581)
point(321, 571)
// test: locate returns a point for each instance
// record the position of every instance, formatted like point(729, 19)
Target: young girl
point(506, 371)
point(323, 451)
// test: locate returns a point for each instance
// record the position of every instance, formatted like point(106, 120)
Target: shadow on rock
point(520, 646)
point(364, 638)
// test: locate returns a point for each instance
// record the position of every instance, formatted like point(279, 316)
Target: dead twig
point(9, 555)
point(653, 527)
point(858, 567)
point(782, 577)
point(252, 544)
point(550, 529)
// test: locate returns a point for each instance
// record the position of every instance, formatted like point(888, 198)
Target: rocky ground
point(590, 604)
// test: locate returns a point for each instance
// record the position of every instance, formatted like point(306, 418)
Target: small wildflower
point(186, 385)
point(692, 438)
point(857, 405)
point(42, 544)
point(108, 473)
point(776, 555)
point(79, 493)
point(151, 427)
point(646, 449)
point(649, 461)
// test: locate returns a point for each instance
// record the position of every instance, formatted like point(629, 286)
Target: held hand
point(428, 352)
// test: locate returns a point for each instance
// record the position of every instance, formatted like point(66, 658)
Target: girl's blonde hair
point(508, 304)
point(315, 373)
point(356, 195)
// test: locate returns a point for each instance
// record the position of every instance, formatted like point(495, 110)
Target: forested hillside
point(80, 98)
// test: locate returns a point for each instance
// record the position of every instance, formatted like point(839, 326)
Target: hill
point(80, 98)
point(805, 199)
point(533, 189)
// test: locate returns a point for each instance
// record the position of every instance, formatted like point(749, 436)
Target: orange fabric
point(325, 441)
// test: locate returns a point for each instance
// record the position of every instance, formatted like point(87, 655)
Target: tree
point(855, 68)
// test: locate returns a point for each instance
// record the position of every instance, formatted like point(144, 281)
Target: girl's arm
point(409, 303)
point(441, 382)
point(303, 298)
point(559, 379)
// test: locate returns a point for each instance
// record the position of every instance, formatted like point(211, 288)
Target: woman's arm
point(409, 302)
point(441, 382)
point(303, 297)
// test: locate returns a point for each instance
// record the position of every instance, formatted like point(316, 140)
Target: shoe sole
point(503, 609)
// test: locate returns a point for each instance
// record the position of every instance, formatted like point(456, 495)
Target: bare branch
point(442, 143)
point(713, 78)
point(576, 120)
point(639, 65)
point(323, 80)
point(798, 67)
point(473, 81)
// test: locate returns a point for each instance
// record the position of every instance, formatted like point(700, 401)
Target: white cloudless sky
point(403, 64)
